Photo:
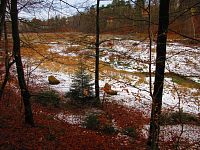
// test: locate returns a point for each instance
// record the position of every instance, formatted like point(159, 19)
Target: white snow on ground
point(40, 77)
point(181, 59)
point(137, 97)
point(71, 119)
point(195, 79)
point(62, 49)
point(191, 133)
point(168, 131)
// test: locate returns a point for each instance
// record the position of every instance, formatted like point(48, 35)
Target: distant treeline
point(122, 17)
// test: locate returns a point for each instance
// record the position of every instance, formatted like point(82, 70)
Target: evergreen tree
point(81, 87)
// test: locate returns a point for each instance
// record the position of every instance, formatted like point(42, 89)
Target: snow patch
point(189, 132)
point(71, 119)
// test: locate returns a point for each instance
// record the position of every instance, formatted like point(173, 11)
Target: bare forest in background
point(122, 17)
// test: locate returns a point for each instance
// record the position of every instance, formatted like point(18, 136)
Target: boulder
point(107, 89)
point(53, 81)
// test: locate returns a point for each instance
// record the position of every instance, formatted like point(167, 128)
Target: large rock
point(107, 89)
point(53, 81)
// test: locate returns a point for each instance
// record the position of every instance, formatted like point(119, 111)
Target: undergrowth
point(48, 98)
point(130, 131)
point(92, 122)
point(173, 118)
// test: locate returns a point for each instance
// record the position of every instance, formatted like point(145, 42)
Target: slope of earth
point(52, 133)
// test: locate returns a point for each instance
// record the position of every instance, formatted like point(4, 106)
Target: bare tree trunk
point(2, 25)
point(2, 15)
point(159, 75)
point(97, 53)
point(150, 49)
point(16, 51)
point(193, 26)
point(7, 62)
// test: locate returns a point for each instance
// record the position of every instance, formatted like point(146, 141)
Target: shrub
point(179, 117)
point(108, 129)
point(48, 98)
point(50, 137)
point(130, 131)
point(92, 122)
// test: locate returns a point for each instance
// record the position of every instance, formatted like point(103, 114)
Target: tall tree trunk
point(159, 74)
point(16, 51)
point(3, 26)
point(7, 63)
point(2, 15)
point(97, 53)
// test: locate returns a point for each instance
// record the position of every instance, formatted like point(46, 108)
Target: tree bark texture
point(97, 53)
point(2, 26)
point(7, 63)
point(2, 15)
point(159, 74)
point(20, 71)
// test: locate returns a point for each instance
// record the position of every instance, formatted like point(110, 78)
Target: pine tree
point(81, 87)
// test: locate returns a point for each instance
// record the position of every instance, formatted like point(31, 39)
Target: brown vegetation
point(55, 134)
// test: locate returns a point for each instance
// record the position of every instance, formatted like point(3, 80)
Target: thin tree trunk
point(150, 49)
point(2, 25)
point(97, 53)
point(2, 15)
point(7, 62)
point(159, 74)
point(16, 51)
point(193, 26)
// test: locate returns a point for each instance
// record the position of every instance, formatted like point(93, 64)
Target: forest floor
point(63, 128)
point(52, 133)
